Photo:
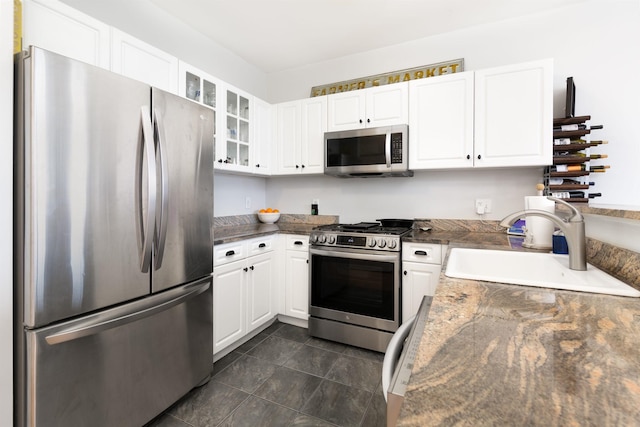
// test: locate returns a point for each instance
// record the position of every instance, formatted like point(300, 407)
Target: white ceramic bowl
point(268, 218)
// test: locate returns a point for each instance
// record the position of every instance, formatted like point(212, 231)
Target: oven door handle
point(355, 254)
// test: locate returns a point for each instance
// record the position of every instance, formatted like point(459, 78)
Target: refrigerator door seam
point(128, 314)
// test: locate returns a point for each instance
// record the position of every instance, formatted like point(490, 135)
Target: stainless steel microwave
point(369, 152)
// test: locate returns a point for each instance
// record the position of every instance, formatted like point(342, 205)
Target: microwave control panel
point(396, 148)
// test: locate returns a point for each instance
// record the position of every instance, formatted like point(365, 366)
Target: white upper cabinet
point(54, 26)
point(314, 125)
point(499, 117)
point(197, 85)
point(514, 115)
point(233, 147)
point(202, 88)
point(300, 134)
point(136, 59)
point(262, 144)
point(441, 122)
point(376, 106)
point(288, 131)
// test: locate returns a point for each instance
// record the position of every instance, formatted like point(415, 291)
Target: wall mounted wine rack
point(568, 177)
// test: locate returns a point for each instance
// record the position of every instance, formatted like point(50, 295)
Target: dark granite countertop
point(496, 354)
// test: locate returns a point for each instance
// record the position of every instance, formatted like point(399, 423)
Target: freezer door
point(120, 367)
point(76, 194)
point(183, 248)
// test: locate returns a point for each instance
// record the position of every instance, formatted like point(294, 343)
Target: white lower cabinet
point(243, 289)
point(229, 304)
point(297, 276)
point(421, 266)
point(260, 290)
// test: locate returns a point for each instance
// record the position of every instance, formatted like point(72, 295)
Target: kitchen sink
point(544, 270)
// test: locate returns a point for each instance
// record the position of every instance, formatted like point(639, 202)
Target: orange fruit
point(276, 211)
point(262, 211)
point(269, 210)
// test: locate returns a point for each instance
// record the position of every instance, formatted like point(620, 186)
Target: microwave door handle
point(387, 149)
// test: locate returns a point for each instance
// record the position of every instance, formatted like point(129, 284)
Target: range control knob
point(372, 243)
point(322, 238)
point(313, 238)
point(392, 244)
point(382, 243)
point(332, 239)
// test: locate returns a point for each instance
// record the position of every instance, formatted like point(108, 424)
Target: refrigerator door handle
point(129, 313)
point(161, 218)
point(145, 229)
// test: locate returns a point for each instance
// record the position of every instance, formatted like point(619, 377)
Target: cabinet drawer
point(297, 243)
point(229, 252)
point(422, 252)
point(260, 245)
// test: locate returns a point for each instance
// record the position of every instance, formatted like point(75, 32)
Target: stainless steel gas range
point(355, 276)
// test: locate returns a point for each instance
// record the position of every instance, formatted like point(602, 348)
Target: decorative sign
point(448, 67)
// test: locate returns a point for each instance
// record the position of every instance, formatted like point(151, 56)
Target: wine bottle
point(584, 141)
point(576, 182)
point(577, 168)
point(592, 156)
point(581, 167)
point(577, 127)
point(574, 195)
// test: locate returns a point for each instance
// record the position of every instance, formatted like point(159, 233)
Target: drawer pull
point(230, 253)
point(262, 245)
point(298, 243)
point(424, 253)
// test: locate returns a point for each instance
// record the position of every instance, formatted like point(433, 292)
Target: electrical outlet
point(483, 206)
point(247, 202)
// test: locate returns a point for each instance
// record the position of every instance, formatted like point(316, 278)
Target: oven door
point(355, 286)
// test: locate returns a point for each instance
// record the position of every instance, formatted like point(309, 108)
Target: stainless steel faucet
point(572, 226)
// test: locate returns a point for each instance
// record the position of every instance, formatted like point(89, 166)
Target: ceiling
point(276, 35)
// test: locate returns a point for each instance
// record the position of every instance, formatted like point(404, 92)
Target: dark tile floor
point(284, 377)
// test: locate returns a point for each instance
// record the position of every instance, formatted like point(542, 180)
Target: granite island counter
point(499, 354)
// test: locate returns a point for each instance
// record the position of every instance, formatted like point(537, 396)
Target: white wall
point(6, 212)
point(428, 194)
point(232, 191)
point(595, 42)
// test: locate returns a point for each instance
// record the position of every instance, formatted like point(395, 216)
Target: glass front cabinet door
point(202, 88)
point(237, 137)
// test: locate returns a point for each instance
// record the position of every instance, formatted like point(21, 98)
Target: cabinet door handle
point(302, 166)
point(262, 245)
point(245, 269)
point(424, 253)
point(258, 165)
point(468, 156)
point(405, 272)
point(297, 167)
point(230, 253)
point(298, 243)
point(368, 121)
point(479, 156)
point(360, 120)
point(251, 268)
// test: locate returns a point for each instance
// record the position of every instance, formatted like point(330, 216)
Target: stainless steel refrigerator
point(113, 248)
